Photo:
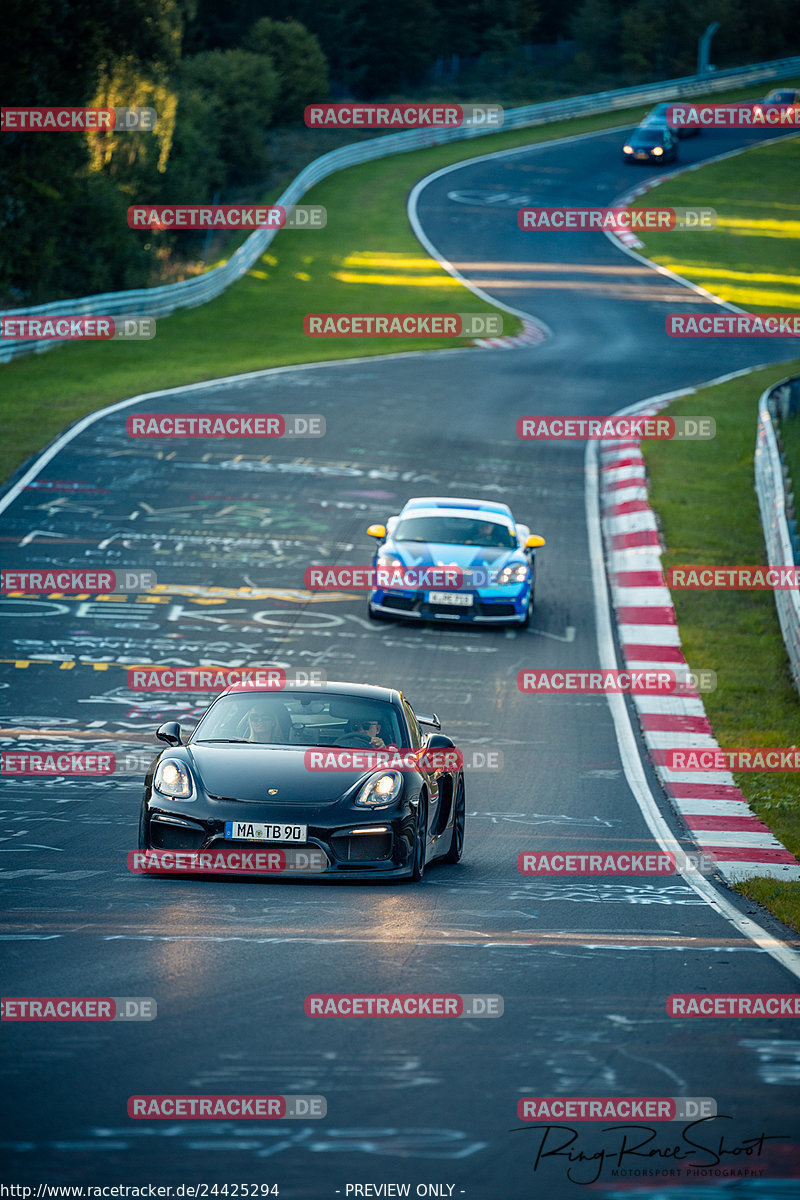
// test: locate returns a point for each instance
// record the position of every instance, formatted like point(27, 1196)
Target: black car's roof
point(366, 691)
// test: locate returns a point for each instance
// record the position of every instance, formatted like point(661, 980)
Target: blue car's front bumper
point(501, 605)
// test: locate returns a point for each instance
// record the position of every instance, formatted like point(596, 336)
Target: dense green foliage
point(222, 76)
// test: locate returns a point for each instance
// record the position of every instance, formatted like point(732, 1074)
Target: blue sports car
point(495, 560)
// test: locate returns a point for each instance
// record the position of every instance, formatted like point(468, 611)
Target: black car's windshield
point(456, 531)
point(650, 136)
point(301, 719)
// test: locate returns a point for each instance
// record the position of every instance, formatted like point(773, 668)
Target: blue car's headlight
point(380, 790)
point(514, 573)
point(172, 778)
point(388, 560)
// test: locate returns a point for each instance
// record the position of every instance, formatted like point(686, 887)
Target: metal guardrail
point(776, 503)
point(160, 301)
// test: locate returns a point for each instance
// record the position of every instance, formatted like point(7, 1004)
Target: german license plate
point(260, 831)
point(457, 599)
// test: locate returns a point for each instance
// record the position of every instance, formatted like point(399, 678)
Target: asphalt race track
point(584, 966)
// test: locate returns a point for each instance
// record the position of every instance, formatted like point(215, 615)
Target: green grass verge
point(750, 259)
point(366, 260)
point(704, 495)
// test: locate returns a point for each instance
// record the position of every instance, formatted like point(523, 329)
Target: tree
point(62, 225)
point(240, 90)
point(299, 62)
point(595, 26)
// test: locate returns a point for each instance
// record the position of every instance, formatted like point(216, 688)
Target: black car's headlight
point(513, 573)
point(172, 778)
point(627, 149)
point(380, 790)
point(658, 150)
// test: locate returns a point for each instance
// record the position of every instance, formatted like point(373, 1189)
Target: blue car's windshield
point(455, 531)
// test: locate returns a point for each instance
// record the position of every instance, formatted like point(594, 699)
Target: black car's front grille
point(166, 836)
point(362, 847)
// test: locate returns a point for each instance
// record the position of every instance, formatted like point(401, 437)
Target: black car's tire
point(142, 836)
point(459, 820)
point(420, 841)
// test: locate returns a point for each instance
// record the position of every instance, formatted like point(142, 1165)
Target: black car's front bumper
point(360, 844)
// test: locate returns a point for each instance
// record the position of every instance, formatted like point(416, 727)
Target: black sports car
point(306, 770)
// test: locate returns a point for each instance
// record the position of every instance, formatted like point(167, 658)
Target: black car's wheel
point(142, 831)
point(459, 820)
point(420, 840)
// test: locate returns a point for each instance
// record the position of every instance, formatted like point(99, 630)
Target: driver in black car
point(370, 730)
point(263, 727)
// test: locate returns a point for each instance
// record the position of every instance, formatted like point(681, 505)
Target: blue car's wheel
point(373, 615)
point(526, 620)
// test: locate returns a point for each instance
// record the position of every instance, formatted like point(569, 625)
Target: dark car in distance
point(305, 770)
point(654, 144)
point(658, 116)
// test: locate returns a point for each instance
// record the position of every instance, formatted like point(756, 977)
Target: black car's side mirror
point(169, 732)
point(440, 741)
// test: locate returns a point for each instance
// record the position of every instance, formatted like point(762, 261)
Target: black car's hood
point(242, 771)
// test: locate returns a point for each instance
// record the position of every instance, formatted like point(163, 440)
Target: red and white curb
point(625, 236)
point(716, 812)
point(533, 334)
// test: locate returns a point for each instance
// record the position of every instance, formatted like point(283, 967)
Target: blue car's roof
point(457, 502)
